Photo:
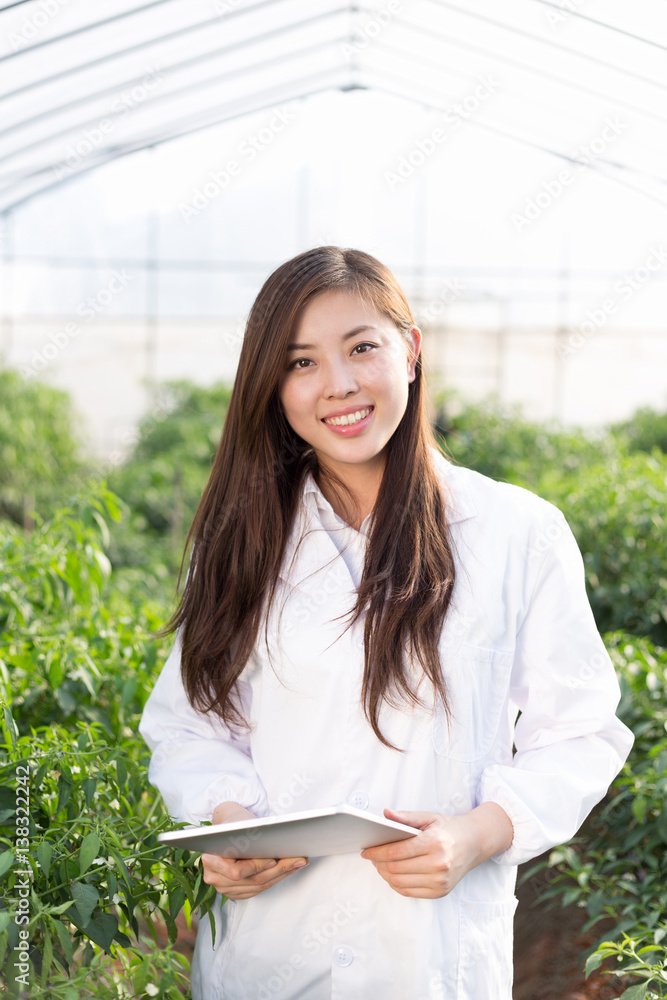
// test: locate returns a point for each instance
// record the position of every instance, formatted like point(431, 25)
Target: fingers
point(425, 886)
point(423, 865)
point(236, 870)
point(240, 879)
point(240, 869)
point(245, 889)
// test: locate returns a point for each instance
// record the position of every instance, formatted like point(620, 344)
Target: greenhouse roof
point(85, 83)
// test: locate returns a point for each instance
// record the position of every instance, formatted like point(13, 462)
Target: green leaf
point(55, 672)
point(128, 692)
point(637, 992)
point(64, 792)
point(6, 861)
point(44, 855)
point(89, 786)
point(593, 962)
point(596, 903)
point(39, 774)
point(89, 848)
point(10, 726)
point(101, 929)
point(571, 895)
point(86, 898)
point(176, 900)
point(47, 957)
point(662, 824)
point(123, 868)
point(112, 506)
point(121, 771)
point(65, 939)
point(639, 807)
point(172, 929)
point(63, 906)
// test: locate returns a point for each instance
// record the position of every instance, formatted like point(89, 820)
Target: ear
point(414, 341)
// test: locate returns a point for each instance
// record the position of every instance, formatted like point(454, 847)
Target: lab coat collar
point(320, 548)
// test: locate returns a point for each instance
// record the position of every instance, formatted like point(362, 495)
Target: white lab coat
point(519, 635)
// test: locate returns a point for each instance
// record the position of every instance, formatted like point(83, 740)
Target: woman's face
point(348, 359)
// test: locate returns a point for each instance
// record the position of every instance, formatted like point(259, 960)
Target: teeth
point(349, 418)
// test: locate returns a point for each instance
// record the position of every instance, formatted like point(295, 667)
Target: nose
point(339, 380)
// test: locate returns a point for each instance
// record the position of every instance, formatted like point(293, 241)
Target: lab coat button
point(343, 955)
point(358, 799)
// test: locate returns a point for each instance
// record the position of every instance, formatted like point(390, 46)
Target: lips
point(350, 418)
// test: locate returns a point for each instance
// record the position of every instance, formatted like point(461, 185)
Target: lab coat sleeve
point(569, 743)
point(196, 761)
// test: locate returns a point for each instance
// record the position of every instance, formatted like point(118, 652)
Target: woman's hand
point(448, 847)
point(244, 878)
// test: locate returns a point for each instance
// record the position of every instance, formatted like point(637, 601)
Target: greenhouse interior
point(159, 163)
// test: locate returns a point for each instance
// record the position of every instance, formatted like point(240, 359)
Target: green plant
point(162, 480)
point(645, 430)
point(498, 441)
point(94, 864)
point(617, 870)
point(78, 659)
point(618, 512)
point(39, 447)
point(639, 960)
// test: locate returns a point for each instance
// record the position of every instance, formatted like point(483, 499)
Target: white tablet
point(314, 833)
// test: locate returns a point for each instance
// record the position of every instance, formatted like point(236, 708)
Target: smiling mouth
point(349, 419)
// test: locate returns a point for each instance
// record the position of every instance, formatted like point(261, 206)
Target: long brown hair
point(240, 530)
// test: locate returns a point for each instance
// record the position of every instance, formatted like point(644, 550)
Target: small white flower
point(116, 897)
point(151, 990)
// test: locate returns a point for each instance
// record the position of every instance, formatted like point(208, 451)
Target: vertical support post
point(152, 293)
point(561, 335)
point(501, 346)
point(7, 284)
point(303, 240)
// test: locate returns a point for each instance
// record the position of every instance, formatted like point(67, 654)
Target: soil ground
point(549, 952)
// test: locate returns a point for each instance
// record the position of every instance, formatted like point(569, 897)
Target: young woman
point(363, 622)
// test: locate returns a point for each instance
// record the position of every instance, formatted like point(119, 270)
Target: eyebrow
point(346, 336)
